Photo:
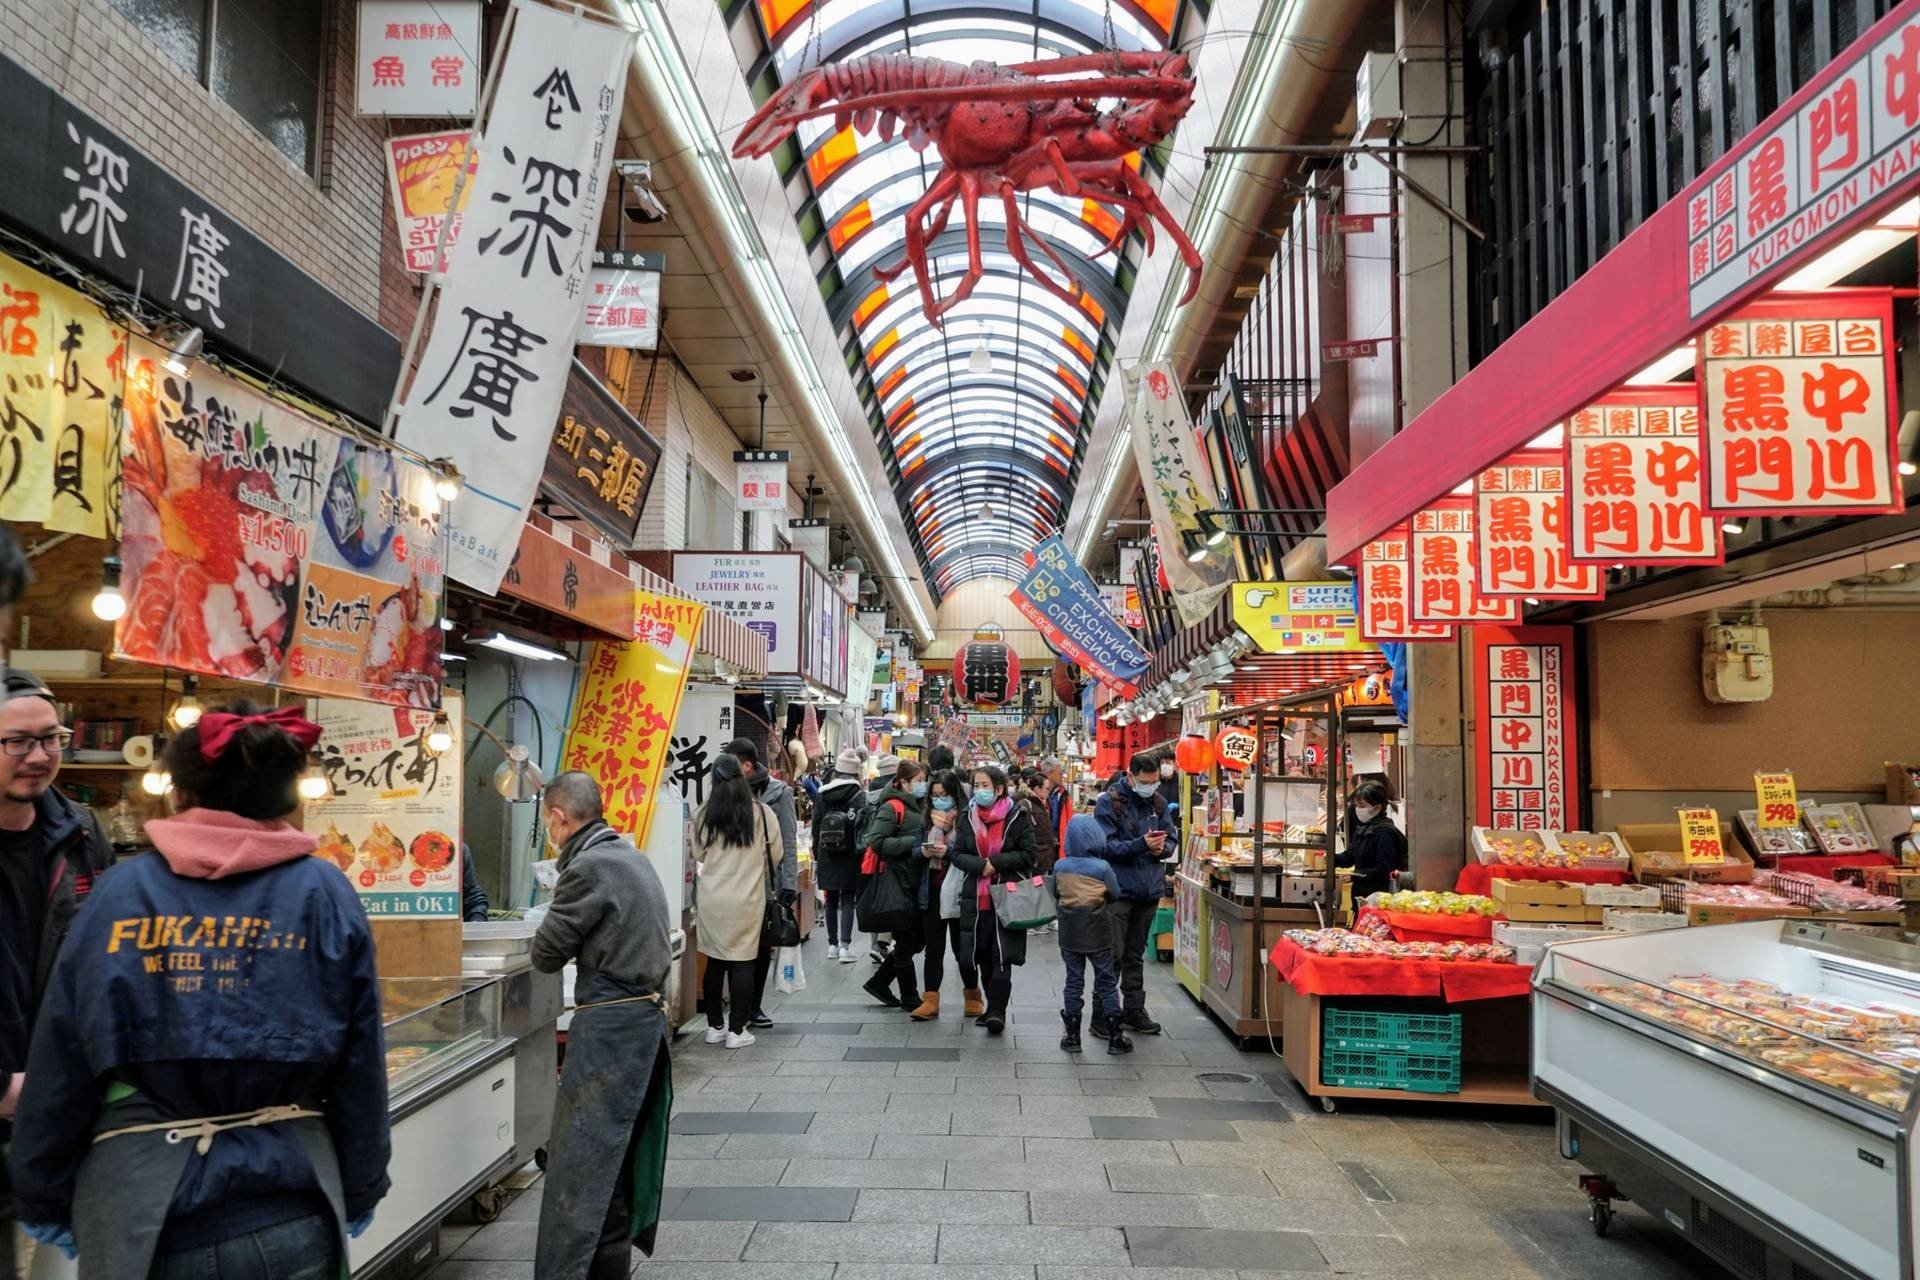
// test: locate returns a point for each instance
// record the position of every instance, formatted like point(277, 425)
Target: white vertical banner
point(1179, 487)
point(809, 538)
point(862, 651)
point(760, 479)
point(489, 383)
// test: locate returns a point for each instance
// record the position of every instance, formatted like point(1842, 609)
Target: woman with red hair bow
point(206, 1088)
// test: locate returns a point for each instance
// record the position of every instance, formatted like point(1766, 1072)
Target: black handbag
point(884, 905)
point(779, 925)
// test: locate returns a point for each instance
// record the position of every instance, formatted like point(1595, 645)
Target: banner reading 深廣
point(490, 379)
point(63, 370)
point(1520, 519)
point(622, 727)
point(1179, 486)
point(1064, 605)
point(392, 821)
point(1441, 585)
point(1799, 410)
point(259, 544)
point(422, 170)
point(1635, 481)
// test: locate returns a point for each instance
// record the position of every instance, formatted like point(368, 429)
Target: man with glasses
point(50, 851)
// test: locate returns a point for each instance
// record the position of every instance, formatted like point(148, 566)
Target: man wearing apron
point(608, 1155)
point(207, 1075)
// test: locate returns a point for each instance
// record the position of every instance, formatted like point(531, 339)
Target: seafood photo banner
point(259, 544)
point(621, 730)
point(392, 823)
point(494, 366)
point(1179, 486)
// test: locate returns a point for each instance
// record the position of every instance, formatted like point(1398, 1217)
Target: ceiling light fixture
point(981, 359)
point(186, 712)
point(184, 343)
point(108, 604)
point(438, 739)
point(519, 648)
point(1729, 526)
point(447, 480)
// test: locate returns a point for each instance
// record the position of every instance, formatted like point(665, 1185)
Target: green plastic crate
point(1385, 1069)
point(1424, 1033)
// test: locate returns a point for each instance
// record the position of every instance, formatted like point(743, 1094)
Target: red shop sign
point(1523, 686)
point(1634, 478)
point(1385, 578)
point(1798, 392)
point(1441, 577)
point(1520, 517)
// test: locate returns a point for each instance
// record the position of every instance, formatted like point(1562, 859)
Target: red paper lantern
point(1193, 754)
point(1066, 683)
point(1235, 747)
point(986, 671)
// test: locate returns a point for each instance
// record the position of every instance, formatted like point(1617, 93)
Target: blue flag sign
point(1063, 603)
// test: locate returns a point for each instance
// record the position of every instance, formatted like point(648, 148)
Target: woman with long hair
point(940, 915)
point(736, 846)
point(994, 841)
point(207, 1089)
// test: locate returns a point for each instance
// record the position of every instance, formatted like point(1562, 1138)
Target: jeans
point(840, 916)
point(1132, 922)
point(738, 975)
point(941, 935)
point(304, 1249)
point(1106, 989)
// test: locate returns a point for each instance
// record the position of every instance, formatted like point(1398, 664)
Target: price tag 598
point(1778, 801)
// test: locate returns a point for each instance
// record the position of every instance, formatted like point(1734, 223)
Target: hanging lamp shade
point(1193, 754)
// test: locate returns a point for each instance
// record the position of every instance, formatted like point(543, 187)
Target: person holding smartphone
point(1137, 826)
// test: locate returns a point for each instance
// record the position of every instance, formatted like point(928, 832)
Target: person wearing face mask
point(1137, 824)
point(1375, 848)
point(940, 917)
point(1169, 779)
point(994, 840)
point(895, 834)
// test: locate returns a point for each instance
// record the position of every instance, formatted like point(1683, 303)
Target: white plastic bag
point(793, 975)
point(950, 893)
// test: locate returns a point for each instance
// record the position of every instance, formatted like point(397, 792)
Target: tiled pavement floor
point(852, 1144)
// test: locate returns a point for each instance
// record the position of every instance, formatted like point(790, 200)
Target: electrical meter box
point(1736, 662)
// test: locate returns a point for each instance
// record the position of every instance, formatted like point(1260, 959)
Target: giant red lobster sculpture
point(1003, 131)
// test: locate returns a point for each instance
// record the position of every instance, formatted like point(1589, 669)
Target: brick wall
point(330, 224)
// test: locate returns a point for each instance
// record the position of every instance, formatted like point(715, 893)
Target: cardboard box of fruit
point(1655, 850)
point(1540, 900)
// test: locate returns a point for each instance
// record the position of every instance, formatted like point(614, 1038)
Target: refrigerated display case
point(450, 1098)
point(1752, 1084)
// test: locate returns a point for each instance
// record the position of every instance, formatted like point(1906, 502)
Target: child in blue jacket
point(1083, 885)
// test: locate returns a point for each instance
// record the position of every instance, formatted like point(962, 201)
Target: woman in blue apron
point(206, 1090)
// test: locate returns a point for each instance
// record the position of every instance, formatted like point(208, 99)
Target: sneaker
point(760, 1020)
point(880, 987)
point(847, 956)
point(739, 1039)
point(716, 1035)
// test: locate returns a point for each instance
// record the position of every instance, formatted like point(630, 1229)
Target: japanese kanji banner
point(1064, 605)
point(422, 171)
point(621, 731)
point(63, 367)
point(1520, 516)
point(1440, 575)
point(1133, 615)
point(1635, 482)
point(1179, 487)
point(1801, 416)
point(862, 652)
point(392, 822)
point(1385, 592)
point(418, 58)
point(259, 544)
point(489, 382)
point(1524, 717)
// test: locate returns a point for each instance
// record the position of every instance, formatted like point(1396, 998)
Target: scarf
point(989, 833)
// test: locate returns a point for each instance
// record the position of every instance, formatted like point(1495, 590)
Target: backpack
point(837, 830)
point(870, 864)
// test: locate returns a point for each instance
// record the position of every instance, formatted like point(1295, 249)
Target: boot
point(1070, 1042)
point(880, 987)
point(976, 1005)
point(995, 1022)
point(1118, 1042)
point(1138, 1020)
point(1097, 1024)
point(909, 993)
point(929, 1007)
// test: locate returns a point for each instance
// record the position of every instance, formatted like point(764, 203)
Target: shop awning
point(721, 637)
point(1770, 207)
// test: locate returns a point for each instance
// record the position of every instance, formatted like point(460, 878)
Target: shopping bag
point(950, 893)
point(793, 977)
point(1023, 904)
point(883, 905)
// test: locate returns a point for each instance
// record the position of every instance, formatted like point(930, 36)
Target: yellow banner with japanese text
point(621, 729)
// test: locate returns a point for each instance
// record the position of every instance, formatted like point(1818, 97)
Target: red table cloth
point(1461, 980)
point(1426, 926)
point(1830, 864)
point(1478, 877)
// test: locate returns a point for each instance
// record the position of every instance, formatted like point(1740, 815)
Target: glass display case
point(1751, 1083)
point(435, 1024)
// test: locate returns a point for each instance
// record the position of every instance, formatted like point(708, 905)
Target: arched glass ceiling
point(983, 460)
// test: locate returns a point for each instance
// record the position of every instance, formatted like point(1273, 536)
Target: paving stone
point(1023, 1125)
point(1099, 1151)
point(649, 1270)
point(829, 1146)
point(865, 1173)
point(1081, 1105)
point(1136, 1273)
point(1189, 1181)
point(697, 1146)
point(877, 1122)
point(951, 1271)
point(838, 1068)
point(524, 1207)
point(816, 1100)
point(470, 1269)
point(700, 1241)
point(1014, 1175)
point(501, 1242)
point(846, 1241)
point(1039, 1245)
point(741, 1122)
point(1371, 1254)
point(764, 1204)
point(1117, 1209)
point(1167, 1127)
point(904, 1147)
point(723, 1173)
point(1211, 1247)
point(1095, 1070)
point(1270, 1213)
point(976, 1207)
point(1221, 1109)
point(889, 1053)
point(872, 1088)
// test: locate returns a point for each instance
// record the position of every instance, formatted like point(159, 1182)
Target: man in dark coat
point(1137, 826)
point(50, 851)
